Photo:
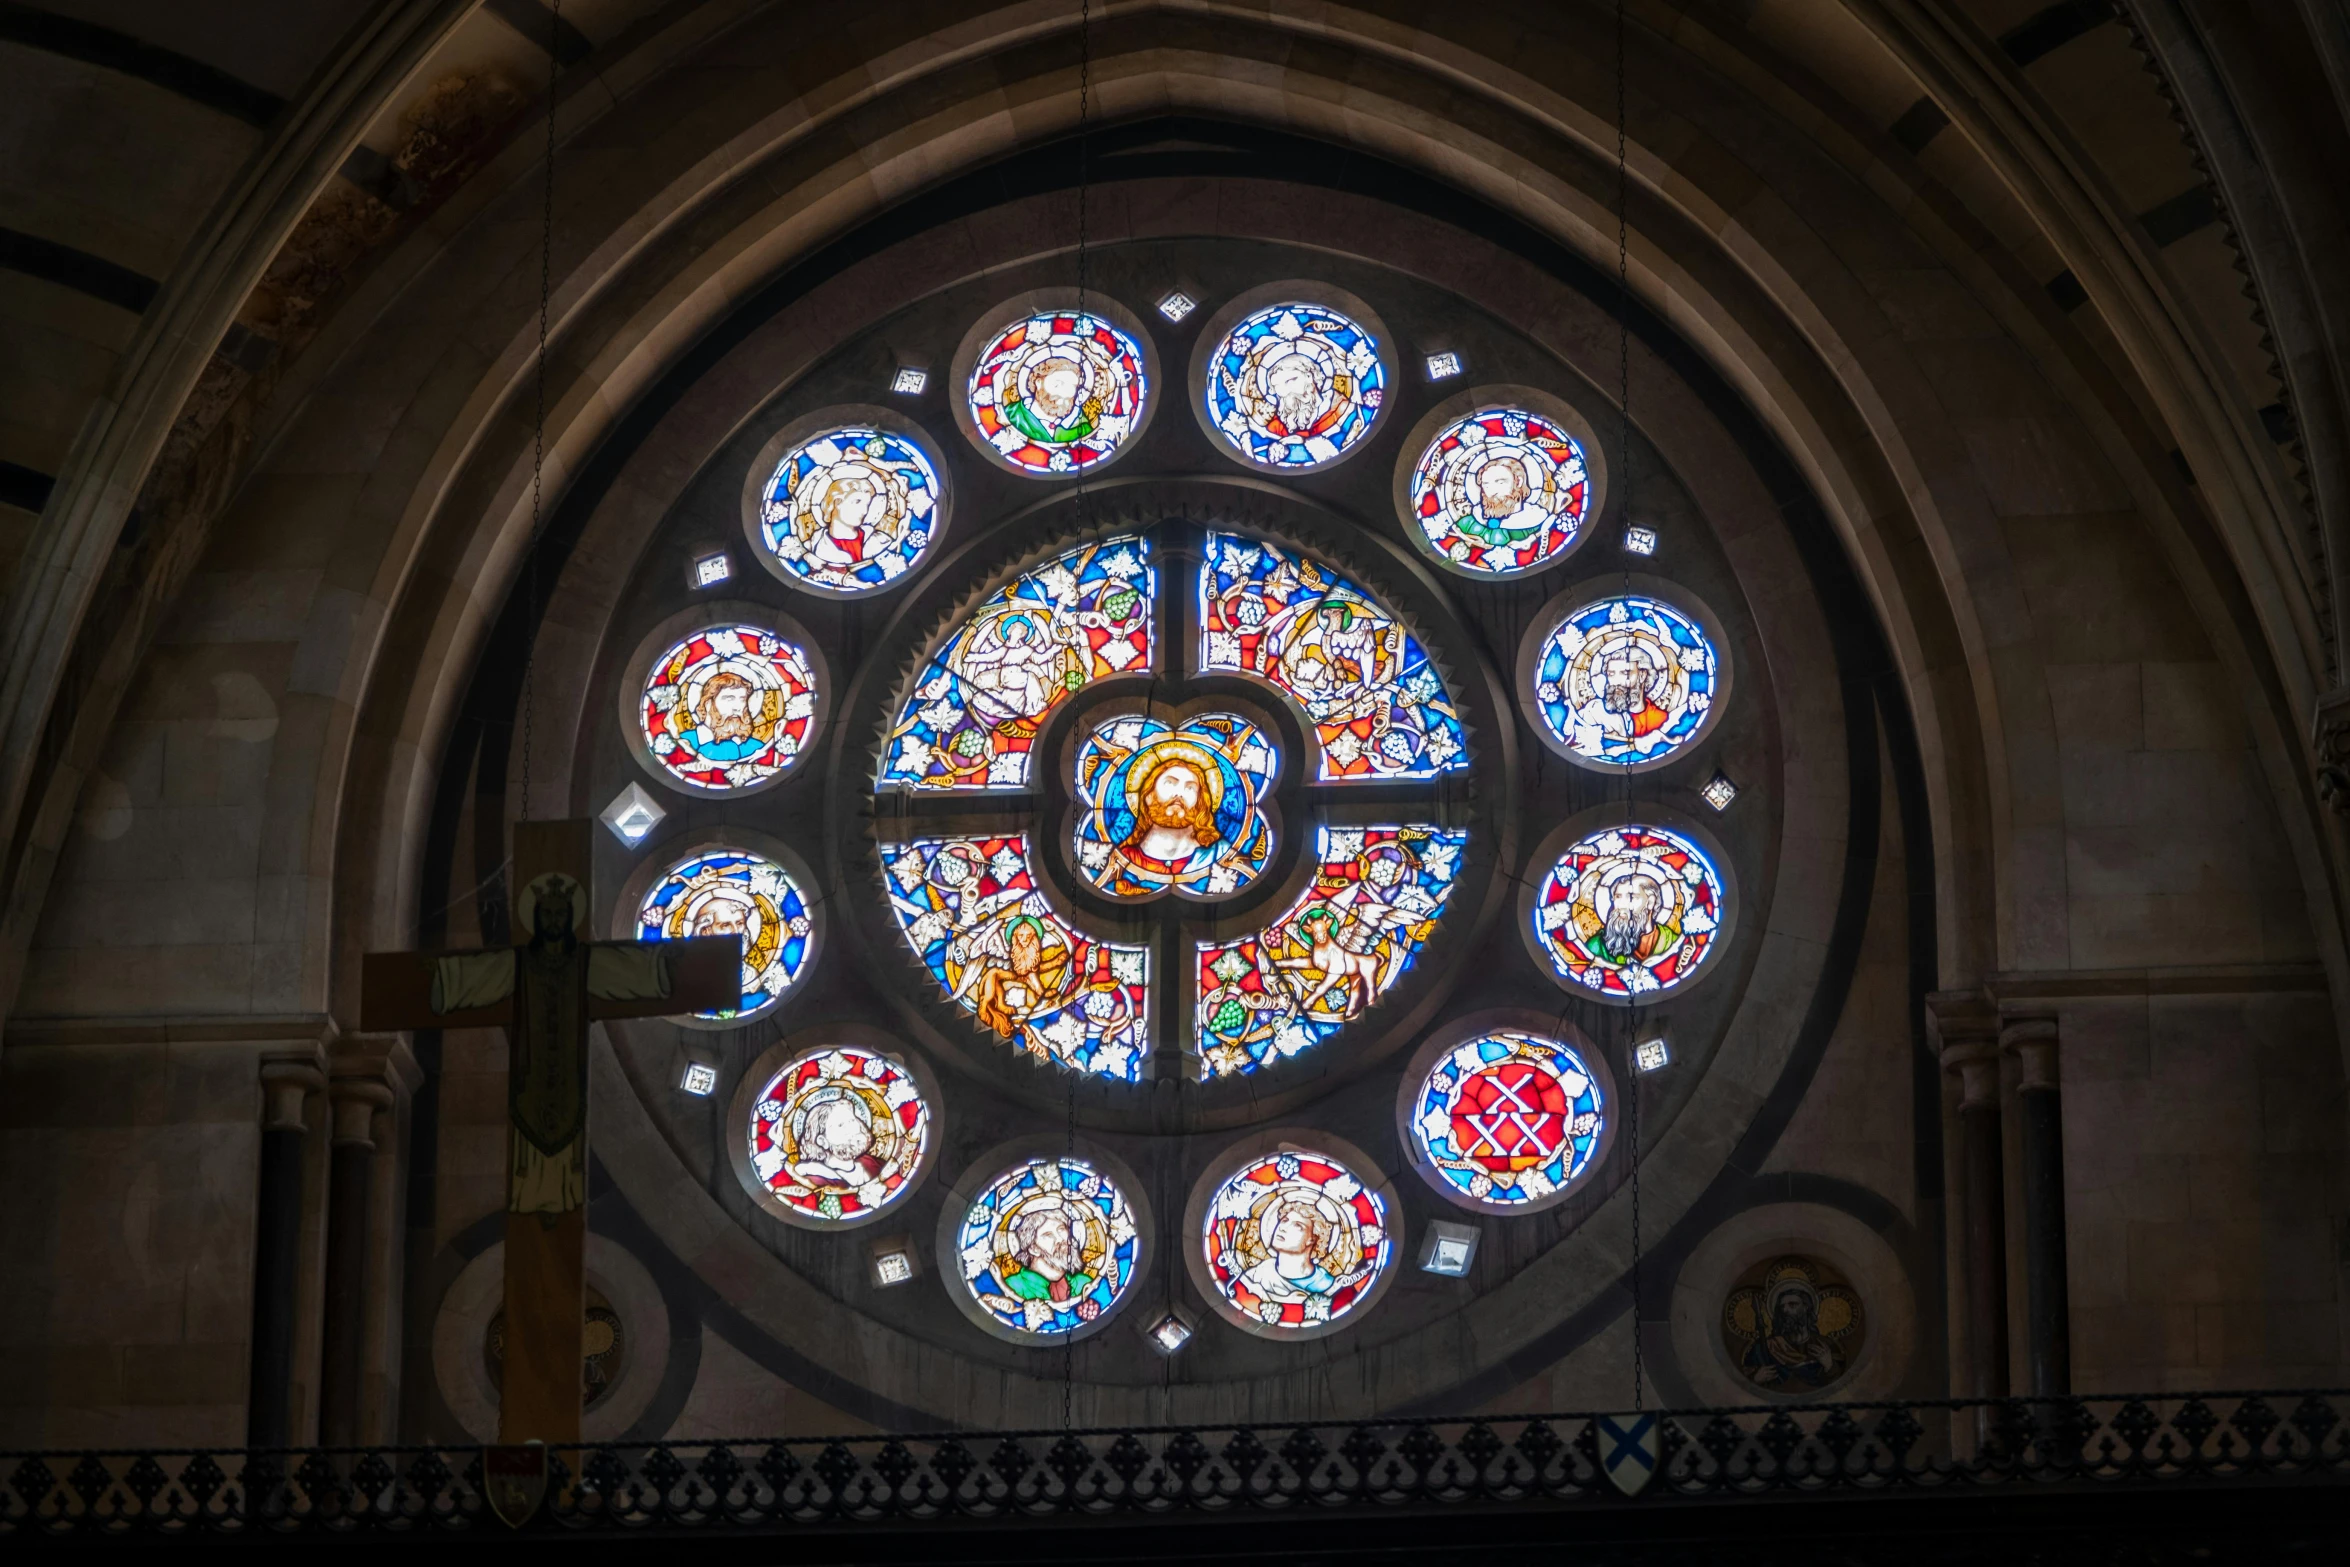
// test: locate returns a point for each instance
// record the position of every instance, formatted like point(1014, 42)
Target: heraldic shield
point(513, 1479)
point(1627, 1450)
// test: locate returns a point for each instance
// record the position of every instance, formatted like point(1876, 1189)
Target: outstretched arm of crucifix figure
point(476, 989)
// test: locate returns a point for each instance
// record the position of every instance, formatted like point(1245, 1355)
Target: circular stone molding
point(1114, 1222)
point(806, 720)
point(893, 510)
point(1360, 406)
point(662, 862)
point(478, 1293)
point(904, 1169)
point(1135, 360)
point(1518, 1112)
point(1523, 443)
point(1352, 1257)
point(1536, 674)
point(1653, 825)
point(1729, 1258)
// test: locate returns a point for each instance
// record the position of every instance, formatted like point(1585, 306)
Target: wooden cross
point(544, 992)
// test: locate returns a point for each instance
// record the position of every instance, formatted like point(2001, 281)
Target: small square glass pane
point(909, 380)
point(1640, 541)
point(632, 815)
point(892, 1267)
point(1652, 1055)
point(1444, 365)
point(699, 1078)
point(1719, 792)
point(1169, 1334)
point(1177, 305)
point(711, 570)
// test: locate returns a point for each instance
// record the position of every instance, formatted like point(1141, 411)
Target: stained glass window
point(849, 510)
point(728, 707)
point(971, 911)
point(1379, 708)
point(838, 1133)
point(1344, 943)
point(1629, 910)
point(1058, 392)
point(1508, 1118)
point(1163, 807)
point(1048, 1246)
point(1295, 1240)
point(977, 705)
point(728, 892)
point(1626, 681)
point(1500, 491)
point(1294, 386)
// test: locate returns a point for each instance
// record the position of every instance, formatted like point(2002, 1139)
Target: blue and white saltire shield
point(1628, 1450)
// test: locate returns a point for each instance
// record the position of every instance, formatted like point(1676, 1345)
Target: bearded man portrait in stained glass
point(1047, 1255)
point(733, 719)
point(1054, 410)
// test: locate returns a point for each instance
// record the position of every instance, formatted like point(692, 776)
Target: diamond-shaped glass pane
point(632, 815)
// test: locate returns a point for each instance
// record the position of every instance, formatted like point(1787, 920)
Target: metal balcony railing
point(2155, 1442)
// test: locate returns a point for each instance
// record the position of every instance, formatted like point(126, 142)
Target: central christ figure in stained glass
point(1173, 809)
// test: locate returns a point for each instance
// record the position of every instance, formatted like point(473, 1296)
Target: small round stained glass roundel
point(838, 1133)
point(728, 892)
point(848, 511)
point(1048, 1246)
point(1629, 910)
point(1500, 491)
point(1295, 1240)
point(1508, 1118)
point(1626, 681)
point(728, 708)
point(1058, 392)
point(1295, 386)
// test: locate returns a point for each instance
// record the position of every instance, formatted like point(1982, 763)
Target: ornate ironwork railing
point(2160, 1441)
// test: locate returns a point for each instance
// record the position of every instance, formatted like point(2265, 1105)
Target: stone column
point(286, 1083)
point(349, 1225)
point(2047, 1298)
point(1968, 1031)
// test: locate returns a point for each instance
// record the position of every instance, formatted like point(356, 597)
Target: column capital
point(2031, 1038)
point(1964, 1027)
point(287, 1079)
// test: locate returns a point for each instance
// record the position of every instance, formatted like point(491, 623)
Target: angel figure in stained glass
point(973, 715)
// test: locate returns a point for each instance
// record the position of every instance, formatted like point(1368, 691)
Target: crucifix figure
point(544, 993)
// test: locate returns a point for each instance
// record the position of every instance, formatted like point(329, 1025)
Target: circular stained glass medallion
point(1294, 1240)
point(1161, 807)
point(1626, 681)
point(1295, 386)
point(849, 510)
point(1058, 392)
point(1508, 1118)
point(1629, 910)
point(838, 1133)
point(1048, 1246)
point(1500, 491)
point(728, 708)
point(728, 892)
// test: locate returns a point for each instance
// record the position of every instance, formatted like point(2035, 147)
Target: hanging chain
point(1085, 514)
point(1624, 483)
point(538, 436)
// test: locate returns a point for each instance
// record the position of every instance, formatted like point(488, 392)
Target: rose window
point(1076, 833)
